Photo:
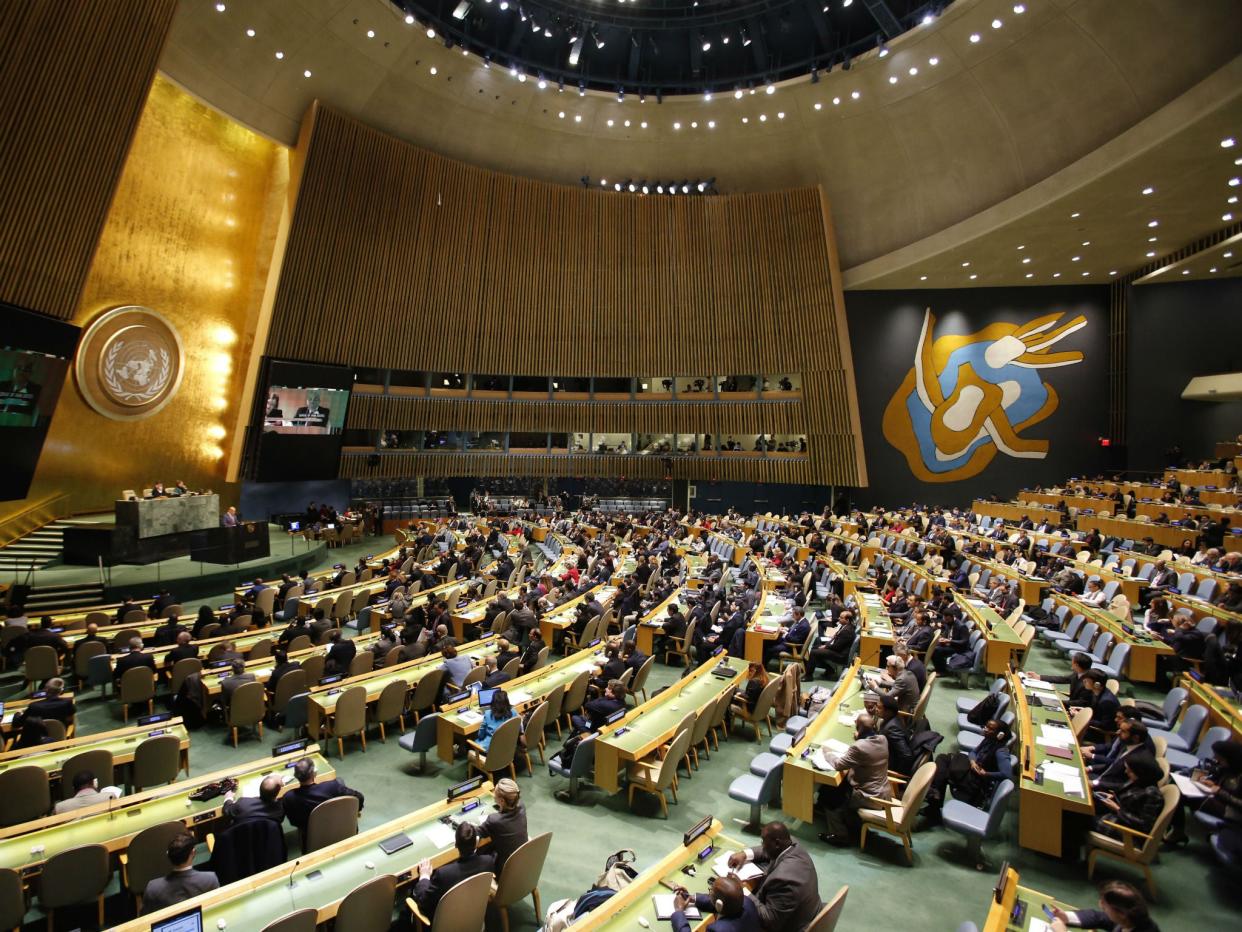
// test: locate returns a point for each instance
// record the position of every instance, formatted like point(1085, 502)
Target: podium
point(248, 540)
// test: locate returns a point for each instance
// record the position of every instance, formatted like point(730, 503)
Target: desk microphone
point(292, 871)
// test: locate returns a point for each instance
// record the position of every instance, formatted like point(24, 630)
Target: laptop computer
point(189, 921)
point(485, 698)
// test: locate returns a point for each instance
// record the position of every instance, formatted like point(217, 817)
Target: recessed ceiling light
point(1075, 258)
point(434, 71)
point(370, 33)
point(922, 278)
point(933, 61)
point(819, 106)
point(1023, 246)
point(627, 123)
point(913, 72)
point(973, 276)
point(1075, 215)
point(1234, 182)
point(1150, 255)
point(836, 101)
point(745, 119)
point(975, 37)
point(1227, 142)
point(1085, 274)
point(561, 115)
point(642, 125)
point(763, 118)
point(1056, 274)
point(737, 95)
point(1026, 261)
point(1086, 242)
point(1227, 255)
point(280, 55)
point(1019, 8)
point(250, 32)
point(770, 89)
point(892, 79)
point(1153, 223)
point(220, 7)
point(1149, 190)
point(1185, 271)
point(409, 19)
point(1030, 274)
point(610, 122)
point(1226, 217)
point(1232, 200)
point(780, 115)
point(431, 33)
point(542, 85)
point(855, 94)
point(965, 265)
point(306, 73)
point(1212, 270)
point(1152, 239)
point(1113, 272)
point(996, 24)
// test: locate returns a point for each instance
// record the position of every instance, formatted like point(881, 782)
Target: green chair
point(26, 793)
point(156, 761)
point(146, 857)
point(97, 760)
point(368, 907)
point(331, 821)
point(75, 877)
point(247, 708)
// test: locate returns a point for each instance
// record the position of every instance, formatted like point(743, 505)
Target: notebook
point(663, 903)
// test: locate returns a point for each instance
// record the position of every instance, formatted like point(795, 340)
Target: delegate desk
point(321, 879)
point(765, 624)
point(1154, 510)
point(1016, 511)
point(653, 622)
point(1130, 586)
point(462, 719)
point(1222, 710)
point(122, 742)
point(1048, 751)
point(729, 550)
point(1145, 648)
point(156, 517)
point(1030, 588)
point(113, 824)
point(875, 629)
point(263, 667)
point(1164, 534)
point(1199, 478)
point(654, 722)
point(832, 730)
point(559, 619)
point(1002, 640)
point(1018, 909)
point(853, 580)
point(13, 706)
point(473, 614)
point(633, 908)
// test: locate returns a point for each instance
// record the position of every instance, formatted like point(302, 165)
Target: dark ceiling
point(669, 46)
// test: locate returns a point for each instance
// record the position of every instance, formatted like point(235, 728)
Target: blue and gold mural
point(969, 396)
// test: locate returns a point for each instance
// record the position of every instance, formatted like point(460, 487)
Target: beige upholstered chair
point(500, 750)
point(181, 669)
point(390, 707)
point(827, 918)
point(681, 646)
point(425, 692)
point(639, 686)
point(247, 708)
point(462, 909)
point(313, 667)
point(73, 877)
point(896, 816)
point(304, 920)
point(156, 761)
point(146, 857)
point(26, 794)
point(367, 907)
point(659, 775)
point(137, 685)
point(762, 713)
point(363, 662)
point(535, 726)
point(1135, 847)
point(349, 718)
point(98, 761)
point(331, 821)
point(41, 664)
point(575, 696)
point(262, 650)
point(477, 674)
point(519, 877)
point(12, 900)
point(289, 685)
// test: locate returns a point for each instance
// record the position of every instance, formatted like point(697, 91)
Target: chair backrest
point(331, 821)
point(156, 761)
point(425, 732)
point(1151, 846)
point(464, 907)
point(542, 658)
point(426, 690)
point(520, 874)
point(363, 662)
point(26, 794)
point(148, 854)
point(476, 675)
point(12, 899)
point(576, 693)
point(137, 685)
point(181, 669)
point(288, 686)
point(537, 722)
point(313, 666)
point(514, 667)
point(827, 918)
point(501, 748)
point(262, 650)
point(83, 654)
point(41, 663)
point(997, 806)
point(299, 643)
point(763, 705)
point(247, 705)
point(369, 907)
point(640, 678)
point(1078, 724)
point(391, 702)
point(1211, 736)
point(304, 920)
point(668, 767)
point(77, 875)
point(350, 716)
point(1192, 723)
point(98, 761)
point(556, 702)
point(916, 790)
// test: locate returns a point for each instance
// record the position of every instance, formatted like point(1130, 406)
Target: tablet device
point(189, 921)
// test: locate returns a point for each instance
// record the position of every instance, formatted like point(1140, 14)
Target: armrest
point(476, 746)
point(880, 802)
point(1126, 829)
point(211, 842)
point(418, 913)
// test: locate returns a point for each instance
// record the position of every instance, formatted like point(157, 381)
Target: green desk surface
point(1039, 755)
point(1138, 635)
point(994, 627)
point(475, 611)
point(659, 715)
point(122, 744)
point(872, 618)
point(1035, 903)
point(627, 917)
point(833, 724)
point(605, 594)
point(412, 671)
point(122, 821)
point(655, 618)
point(529, 688)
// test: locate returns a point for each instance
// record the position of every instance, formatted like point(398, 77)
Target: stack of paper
point(747, 871)
point(441, 835)
point(470, 716)
point(1069, 777)
point(1055, 736)
point(833, 746)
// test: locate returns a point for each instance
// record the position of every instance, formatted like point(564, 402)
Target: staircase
point(44, 600)
point(37, 549)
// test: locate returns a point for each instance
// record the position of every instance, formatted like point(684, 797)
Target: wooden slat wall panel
point(74, 76)
point(400, 258)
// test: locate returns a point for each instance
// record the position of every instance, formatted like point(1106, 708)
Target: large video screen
point(299, 420)
point(305, 410)
point(34, 356)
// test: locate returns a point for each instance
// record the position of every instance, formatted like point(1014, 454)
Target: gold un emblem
point(129, 364)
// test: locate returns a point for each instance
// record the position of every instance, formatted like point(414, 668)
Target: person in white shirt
point(1094, 594)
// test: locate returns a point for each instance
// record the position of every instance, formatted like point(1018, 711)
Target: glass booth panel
point(612, 443)
point(654, 388)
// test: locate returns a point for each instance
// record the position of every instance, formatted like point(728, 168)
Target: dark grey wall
point(884, 331)
point(1175, 332)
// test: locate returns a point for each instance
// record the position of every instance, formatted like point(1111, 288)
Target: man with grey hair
point(135, 658)
point(300, 801)
point(897, 682)
point(236, 678)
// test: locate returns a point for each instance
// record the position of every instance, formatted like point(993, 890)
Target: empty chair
point(519, 878)
point(98, 761)
point(363, 662)
point(1187, 734)
point(462, 909)
point(390, 707)
point(1114, 665)
point(368, 907)
point(422, 739)
point(246, 709)
point(331, 821)
point(978, 825)
point(1170, 709)
point(12, 899)
point(1184, 761)
point(26, 793)
point(137, 685)
point(658, 776)
point(73, 878)
point(757, 791)
point(581, 766)
point(156, 761)
point(261, 651)
point(896, 817)
point(827, 918)
point(146, 857)
point(575, 694)
point(313, 667)
point(639, 685)
point(290, 685)
point(425, 692)
point(349, 718)
point(304, 920)
point(534, 735)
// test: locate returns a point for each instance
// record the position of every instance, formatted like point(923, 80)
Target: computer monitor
point(485, 698)
point(189, 921)
point(295, 525)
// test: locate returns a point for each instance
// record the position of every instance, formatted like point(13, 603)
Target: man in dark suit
point(598, 710)
point(181, 883)
point(300, 801)
point(52, 705)
point(312, 413)
point(321, 624)
point(239, 677)
point(1079, 695)
point(340, 654)
point(166, 633)
point(1104, 704)
point(183, 650)
point(432, 885)
point(38, 634)
point(788, 895)
point(161, 602)
point(135, 658)
point(735, 912)
point(836, 650)
point(494, 676)
point(91, 636)
point(264, 806)
point(283, 665)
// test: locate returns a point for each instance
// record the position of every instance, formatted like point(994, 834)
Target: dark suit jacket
point(180, 652)
point(340, 655)
point(175, 887)
point(1104, 711)
point(279, 671)
point(248, 808)
point(299, 801)
point(427, 892)
point(788, 894)
point(58, 708)
point(131, 660)
point(508, 832)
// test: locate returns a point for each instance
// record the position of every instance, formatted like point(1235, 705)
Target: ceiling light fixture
point(409, 19)
point(306, 73)
point(1149, 190)
point(220, 7)
point(975, 37)
point(1227, 142)
point(1153, 223)
point(996, 24)
point(1019, 8)
point(933, 61)
point(280, 56)
point(250, 33)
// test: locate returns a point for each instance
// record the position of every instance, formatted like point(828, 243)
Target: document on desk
point(1038, 925)
point(1055, 736)
point(834, 746)
point(441, 835)
point(521, 697)
point(470, 716)
point(664, 908)
point(1190, 789)
point(748, 871)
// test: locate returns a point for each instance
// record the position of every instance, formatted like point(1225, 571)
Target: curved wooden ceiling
point(902, 162)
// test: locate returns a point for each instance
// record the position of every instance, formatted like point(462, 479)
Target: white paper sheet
point(748, 871)
point(1189, 788)
point(441, 835)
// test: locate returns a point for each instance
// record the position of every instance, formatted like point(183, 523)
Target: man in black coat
point(340, 654)
point(788, 894)
point(300, 801)
point(135, 658)
point(432, 885)
point(264, 806)
point(52, 705)
point(283, 665)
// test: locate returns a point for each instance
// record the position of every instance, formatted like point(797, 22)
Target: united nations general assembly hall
point(620, 465)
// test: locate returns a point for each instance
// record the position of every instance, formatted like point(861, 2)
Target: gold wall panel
point(400, 258)
point(190, 234)
point(73, 79)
